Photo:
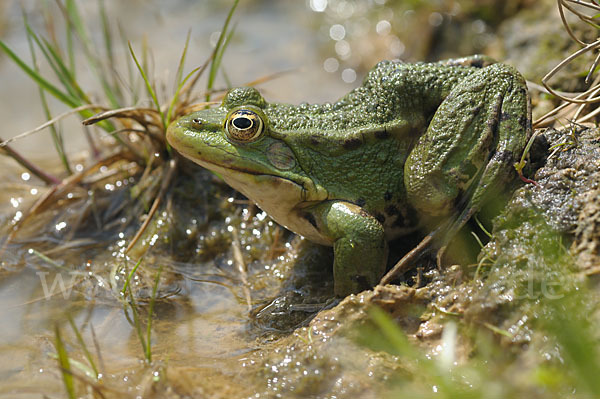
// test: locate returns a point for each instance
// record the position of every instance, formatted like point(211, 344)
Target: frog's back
point(392, 93)
point(357, 147)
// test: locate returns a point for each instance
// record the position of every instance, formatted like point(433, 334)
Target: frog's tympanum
point(415, 145)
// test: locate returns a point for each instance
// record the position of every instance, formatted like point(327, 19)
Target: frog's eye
point(244, 126)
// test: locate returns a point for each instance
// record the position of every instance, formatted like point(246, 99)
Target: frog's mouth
point(225, 168)
point(248, 181)
point(282, 198)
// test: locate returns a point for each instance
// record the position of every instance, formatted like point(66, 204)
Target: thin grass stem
point(215, 62)
point(83, 346)
point(148, 86)
point(150, 313)
point(63, 363)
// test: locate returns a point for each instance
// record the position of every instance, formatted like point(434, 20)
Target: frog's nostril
point(197, 123)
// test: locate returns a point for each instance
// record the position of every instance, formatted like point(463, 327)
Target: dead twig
point(137, 114)
point(45, 177)
point(51, 122)
point(241, 266)
point(56, 190)
point(168, 176)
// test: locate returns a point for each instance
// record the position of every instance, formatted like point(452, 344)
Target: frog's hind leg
point(467, 154)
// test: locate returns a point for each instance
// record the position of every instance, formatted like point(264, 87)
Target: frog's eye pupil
point(242, 123)
point(244, 126)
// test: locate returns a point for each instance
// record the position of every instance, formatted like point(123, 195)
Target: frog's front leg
point(359, 245)
point(467, 154)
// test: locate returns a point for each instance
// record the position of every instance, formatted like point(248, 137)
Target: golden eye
point(244, 126)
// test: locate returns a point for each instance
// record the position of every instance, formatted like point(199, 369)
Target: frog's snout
point(196, 123)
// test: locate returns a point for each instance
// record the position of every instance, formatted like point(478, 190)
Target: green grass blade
point(106, 33)
point(70, 48)
point(108, 46)
point(56, 135)
point(130, 276)
point(178, 75)
point(43, 83)
point(482, 227)
point(390, 330)
point(150, 312)
point(79, 366)
point(214, 66)
point(83, 346)
point(64, 74)
point(48, 260)
point(148, 86)
point(76, 21)
point(46, 49)
point(72, 13)
point(133, 80)
point(577, 338)
point(219, 56)
point(63, 363)
point(176, 95)
point(136, 321)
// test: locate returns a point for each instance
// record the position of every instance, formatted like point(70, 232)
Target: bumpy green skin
point(416, 145)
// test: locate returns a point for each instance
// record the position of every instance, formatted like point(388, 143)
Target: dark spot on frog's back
point(382, 134)
point(352, 143)
point(361, 282)
point(523, 91)
point(477, 63)
point(506, 157)
point(505, 116)
point(360, 202)
point(524, 122)
point(309, 217)
point(387, 196)
point(475, 110)
point(470, 169)
point(391, 210)
point(315, 139)
point(380, 218)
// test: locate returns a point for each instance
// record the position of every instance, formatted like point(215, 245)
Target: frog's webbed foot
point(359, 245)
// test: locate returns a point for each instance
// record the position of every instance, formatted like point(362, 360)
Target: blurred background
point(326, 46)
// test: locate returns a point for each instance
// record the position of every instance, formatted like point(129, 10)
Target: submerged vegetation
point(521, 321)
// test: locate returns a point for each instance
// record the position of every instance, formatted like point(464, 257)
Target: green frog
point(416, 147)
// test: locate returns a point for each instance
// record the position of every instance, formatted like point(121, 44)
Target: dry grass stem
point(241, 267)
point(166, 181)
point(58, 190)
point(28, 165)
point(138, 114)
point(197, 106)
point(577, 96)
point(52, 121)
point(569, 108)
